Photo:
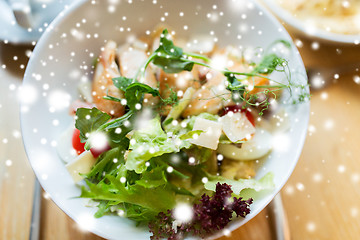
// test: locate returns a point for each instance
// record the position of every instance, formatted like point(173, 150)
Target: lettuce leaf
point(154, 178)
point(148, 142)
point(111, 189)
point(188, 123)
point(139, 213)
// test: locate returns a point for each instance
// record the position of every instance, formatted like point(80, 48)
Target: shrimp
point(131, 60)
point(252, 81)
point(178, 81)
point(102, 85)
point(237, 65)
point(211, 97)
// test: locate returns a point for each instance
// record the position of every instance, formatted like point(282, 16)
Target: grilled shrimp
point(107, 69)
point(237, 65)
point(178, 81)
point(131, 60)
point(211, 97)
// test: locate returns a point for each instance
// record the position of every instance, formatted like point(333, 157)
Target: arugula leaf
point(89, 120)
point(167, 46)
point(118, 122)
point(122, 83)
point(172, 64)
point(169, 57)
point(109, 161)
point(135, 93)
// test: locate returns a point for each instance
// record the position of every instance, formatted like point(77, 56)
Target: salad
point(172, 139)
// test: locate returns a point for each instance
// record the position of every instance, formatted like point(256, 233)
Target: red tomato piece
point(238, 108)
point(97, 152)
point(77, 145)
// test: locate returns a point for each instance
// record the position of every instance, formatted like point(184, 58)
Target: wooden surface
point(321, 198)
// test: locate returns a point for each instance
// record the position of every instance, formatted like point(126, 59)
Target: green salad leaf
point(169, 57)
point(135, 93)
point(122, 83)
point(138, 213)
point(89, 120)
point(109, 161)
point(148, 142)
point(111, 189)
point(154, 178)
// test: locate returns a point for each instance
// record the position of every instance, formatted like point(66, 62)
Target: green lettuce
point(154, 178)
point(188, 123)
point(151, 141)
point(111, 189)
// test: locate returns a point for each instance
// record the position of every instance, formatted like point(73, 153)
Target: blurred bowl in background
point(301, 26)
point(320, 48)
point(42, 13)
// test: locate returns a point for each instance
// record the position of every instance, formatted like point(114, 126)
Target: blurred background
point(321, 198)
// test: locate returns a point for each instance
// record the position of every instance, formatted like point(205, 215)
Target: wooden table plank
point(322, 197)
point(16, 176)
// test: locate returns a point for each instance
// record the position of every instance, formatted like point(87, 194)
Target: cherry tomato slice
point(238, 108)
point(97, 152)
point(77, 145)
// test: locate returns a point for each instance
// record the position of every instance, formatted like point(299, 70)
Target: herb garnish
point(173, 59)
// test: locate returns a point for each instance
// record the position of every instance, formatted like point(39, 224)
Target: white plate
point(299, 27)
point(44, 11)
point(64, 56)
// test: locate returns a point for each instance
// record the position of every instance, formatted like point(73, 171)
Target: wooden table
point(321, 198)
